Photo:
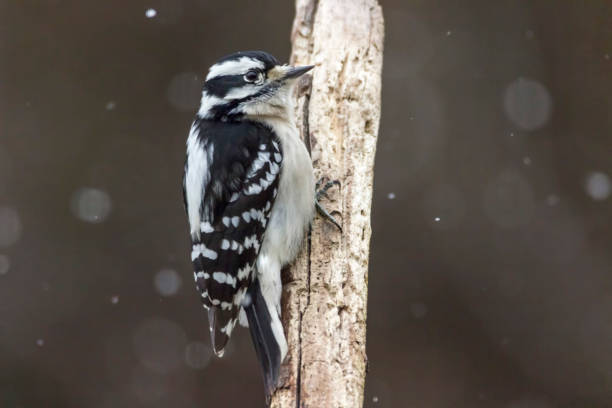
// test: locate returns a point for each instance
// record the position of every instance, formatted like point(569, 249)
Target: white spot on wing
point(201, 275)
point(219, 276)
point(253, 189)
point(206, 227)
point(225, 244)
point(229, 327)
point(200, 249)
point(274, 168)
point(239, 295)
point(244, 272)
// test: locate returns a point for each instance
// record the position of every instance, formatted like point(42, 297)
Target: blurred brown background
point(491, 265)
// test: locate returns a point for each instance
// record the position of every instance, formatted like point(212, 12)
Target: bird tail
point(267, 334)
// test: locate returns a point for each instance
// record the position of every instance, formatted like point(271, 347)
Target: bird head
point(249, 84)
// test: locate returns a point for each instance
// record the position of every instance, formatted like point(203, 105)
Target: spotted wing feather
point(236, 205)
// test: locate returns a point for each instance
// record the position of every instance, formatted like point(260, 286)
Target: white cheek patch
point(234, 67)
point(242, 92)
point(207, 102)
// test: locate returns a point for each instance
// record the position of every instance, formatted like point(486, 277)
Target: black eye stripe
point(221, 85)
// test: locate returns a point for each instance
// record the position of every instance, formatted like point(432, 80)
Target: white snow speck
point(375, 399)
point(607, 56)
point(598, 186)
point(526, 160)
point(114, 299)
point(110, 105)
point(150, 13)
point(391, 196)
point(40, 342)
point(448, 33)
point(437, 219)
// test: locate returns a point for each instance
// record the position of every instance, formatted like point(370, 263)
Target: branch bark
point(338, 111)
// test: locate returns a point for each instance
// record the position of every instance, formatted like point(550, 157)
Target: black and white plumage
point(249, 195)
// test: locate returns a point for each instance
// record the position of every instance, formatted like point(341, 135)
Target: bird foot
point(322, 192)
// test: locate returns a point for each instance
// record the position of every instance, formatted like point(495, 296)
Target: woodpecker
point(249, 194)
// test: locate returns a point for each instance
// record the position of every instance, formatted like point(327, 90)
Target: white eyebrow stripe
point(234, 67)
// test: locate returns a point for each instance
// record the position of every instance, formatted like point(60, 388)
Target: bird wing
point(239, 192)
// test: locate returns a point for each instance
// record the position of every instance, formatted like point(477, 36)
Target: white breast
point(294, 206)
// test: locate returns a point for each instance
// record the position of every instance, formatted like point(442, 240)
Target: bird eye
point(251, 76)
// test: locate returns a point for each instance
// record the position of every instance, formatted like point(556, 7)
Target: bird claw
point(322, 192)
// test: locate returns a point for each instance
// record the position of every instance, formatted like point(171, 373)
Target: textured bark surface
point(338, 111)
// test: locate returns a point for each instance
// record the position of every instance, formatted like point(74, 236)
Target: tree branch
point(324, 303)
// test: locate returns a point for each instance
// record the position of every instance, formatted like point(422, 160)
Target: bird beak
point(294, 72)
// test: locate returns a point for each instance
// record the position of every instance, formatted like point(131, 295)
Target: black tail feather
point(218, 338)
point(266, 346)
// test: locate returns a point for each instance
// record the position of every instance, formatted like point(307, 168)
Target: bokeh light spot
point(91, 205)
point(184, 91)
point(597, 186)
point(197, 355)
point(527, 103)
point(5, 264)
point(508, 200)
point(167, 282)
point(552, 200)
point(10, 226)
point(418, 310)
point(159, 344)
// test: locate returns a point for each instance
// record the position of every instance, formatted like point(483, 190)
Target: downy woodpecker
point(249, 194)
